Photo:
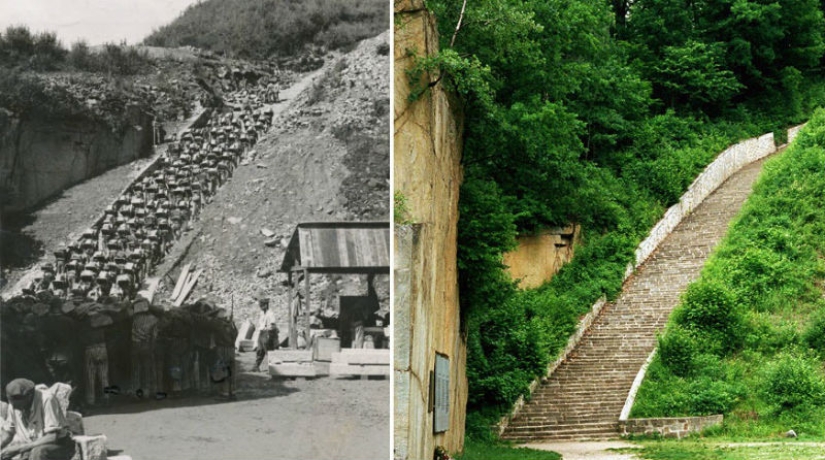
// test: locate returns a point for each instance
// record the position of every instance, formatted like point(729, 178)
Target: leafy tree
point(693, 74)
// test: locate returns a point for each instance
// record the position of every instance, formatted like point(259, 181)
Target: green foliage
point(710, 310)
point(757, 307)
point(744, 46)
point(724, 449)
point(709, 388)
point(465, 76)
point(791, 381)
point(677, 350)
point(693, 74)
point(401, 211)
point(476, 450)
point(509, 348)
point(814, 335)
point(576, 112)
point(271, 28)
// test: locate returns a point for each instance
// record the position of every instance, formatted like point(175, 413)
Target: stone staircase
point(583, 398)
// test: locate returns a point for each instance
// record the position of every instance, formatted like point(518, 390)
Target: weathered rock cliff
point(40, 158)
point(427, 154)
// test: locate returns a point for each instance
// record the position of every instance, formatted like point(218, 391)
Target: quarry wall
point(427, 172)
point(40, 158)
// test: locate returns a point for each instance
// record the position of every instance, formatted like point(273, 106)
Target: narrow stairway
point(585, 395)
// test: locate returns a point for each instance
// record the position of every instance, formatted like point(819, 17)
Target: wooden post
point(181, 282)
point(291, 332)
point(306, 305)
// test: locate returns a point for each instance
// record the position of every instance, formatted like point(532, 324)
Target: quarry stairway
point(584, 397)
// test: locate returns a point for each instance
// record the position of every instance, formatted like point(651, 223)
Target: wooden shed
point(359, 248)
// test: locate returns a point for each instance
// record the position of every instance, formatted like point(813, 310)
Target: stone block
point(290, 356)
point(91, 447)
point(292, 370)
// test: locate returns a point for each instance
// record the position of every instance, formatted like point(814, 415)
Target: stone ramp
point(583, 398)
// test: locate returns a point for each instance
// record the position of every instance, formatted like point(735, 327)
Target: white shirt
point(45, 416)
point(266, 320)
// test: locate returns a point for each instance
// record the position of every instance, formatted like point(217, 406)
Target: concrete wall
point(426, 318)
point(792, 133)
point(39, 158)
point(538, 257)
point(727, 163)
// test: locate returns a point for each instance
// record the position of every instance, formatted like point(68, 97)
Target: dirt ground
point(324, 418)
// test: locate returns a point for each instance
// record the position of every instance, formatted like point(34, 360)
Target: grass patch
point(475, 450)
point(768, 377)
point(698, 449)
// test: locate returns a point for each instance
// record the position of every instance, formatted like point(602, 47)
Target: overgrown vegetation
point(263, 29)
point(23, 54)
point(600, 113)
point(21, 49)
point(748, 333)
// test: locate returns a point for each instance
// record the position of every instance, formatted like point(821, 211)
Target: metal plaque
point(441, 412)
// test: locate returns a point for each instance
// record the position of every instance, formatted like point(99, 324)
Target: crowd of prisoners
point(83, 319)
point(111, 258)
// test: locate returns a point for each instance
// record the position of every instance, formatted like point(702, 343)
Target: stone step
point(584, 396)
point(580, 416)
point(603, 430)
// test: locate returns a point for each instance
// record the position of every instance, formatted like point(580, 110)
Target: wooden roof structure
point(360, 248)
point(339, 247)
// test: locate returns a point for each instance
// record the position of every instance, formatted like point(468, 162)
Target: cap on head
point(19, 389)
point(262, 296)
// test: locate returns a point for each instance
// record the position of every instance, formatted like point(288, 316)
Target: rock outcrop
point(40, 158)
point(428, 173)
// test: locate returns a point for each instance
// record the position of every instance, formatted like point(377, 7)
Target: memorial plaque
point(441, 412)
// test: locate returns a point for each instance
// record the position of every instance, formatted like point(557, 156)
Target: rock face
point(538, 257)
point(428, 173)
point(40, 158)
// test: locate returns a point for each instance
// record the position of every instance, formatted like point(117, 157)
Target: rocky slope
point(326, 159)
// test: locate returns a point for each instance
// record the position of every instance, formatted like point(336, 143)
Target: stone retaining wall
point(794, 131)
point(668, 427)
point(724, 166)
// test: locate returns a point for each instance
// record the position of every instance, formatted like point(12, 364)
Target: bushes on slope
point(767, 274)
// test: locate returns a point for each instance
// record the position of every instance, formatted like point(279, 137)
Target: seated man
point(35, 426)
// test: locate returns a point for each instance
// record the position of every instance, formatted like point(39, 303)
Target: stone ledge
point(668, 427)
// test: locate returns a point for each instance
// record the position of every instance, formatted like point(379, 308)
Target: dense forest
point(600, 113)
point(263, 29)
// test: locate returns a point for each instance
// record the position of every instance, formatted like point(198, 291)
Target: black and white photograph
point(195, 229)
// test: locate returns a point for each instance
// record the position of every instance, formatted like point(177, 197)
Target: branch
point(458, 26)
